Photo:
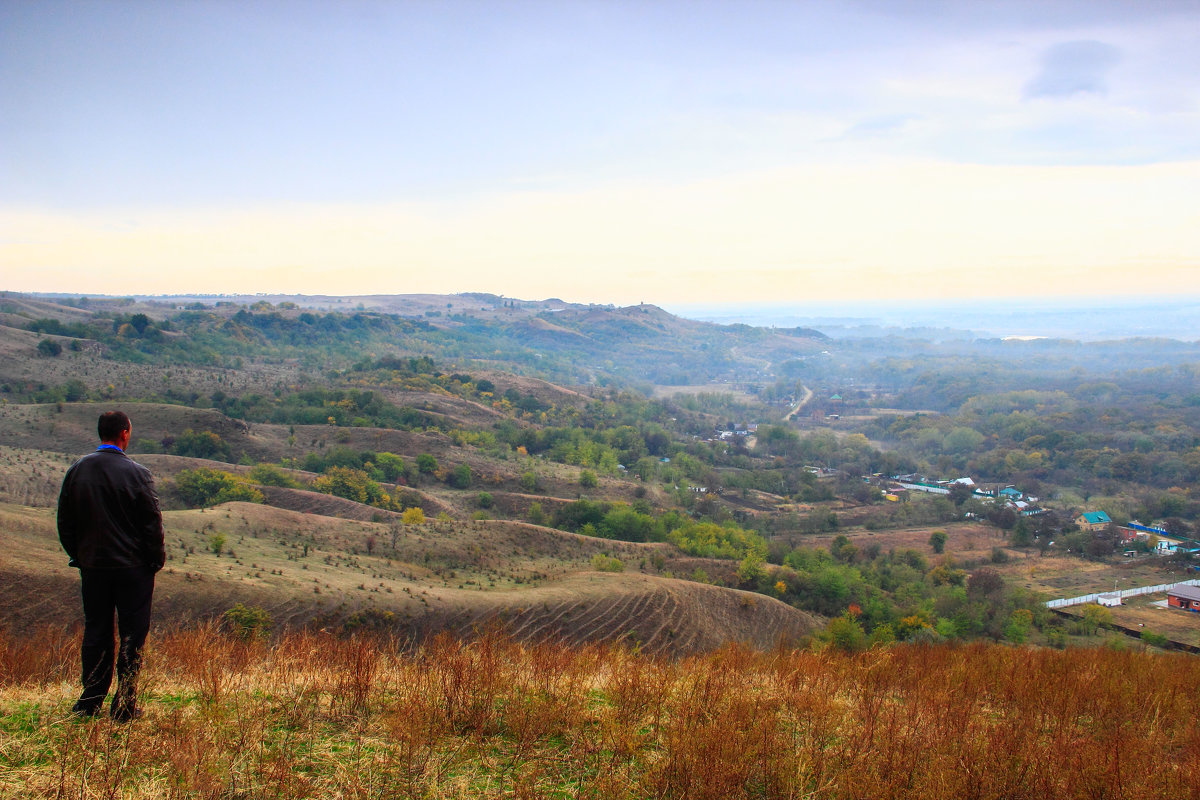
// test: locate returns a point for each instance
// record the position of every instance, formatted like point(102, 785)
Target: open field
point(1062, 576)
point(1142, 613)
point(704, 388)
point(316, 716)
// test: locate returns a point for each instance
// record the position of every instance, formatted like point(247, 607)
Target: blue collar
point(110, 447)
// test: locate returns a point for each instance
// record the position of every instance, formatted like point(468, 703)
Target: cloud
point(881, 126)
point(1071, 68)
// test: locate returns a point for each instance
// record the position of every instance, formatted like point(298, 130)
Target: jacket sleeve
point(150, 517)
point(67, 526)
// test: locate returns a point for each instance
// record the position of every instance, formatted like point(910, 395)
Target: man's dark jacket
point(108, 515)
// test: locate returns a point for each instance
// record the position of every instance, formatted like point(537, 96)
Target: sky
point(602, 151)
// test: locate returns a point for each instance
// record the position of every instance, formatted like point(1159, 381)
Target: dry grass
point(309, 569)
point(313, 715)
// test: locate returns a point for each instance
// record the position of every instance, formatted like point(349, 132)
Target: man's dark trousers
point(128, 592)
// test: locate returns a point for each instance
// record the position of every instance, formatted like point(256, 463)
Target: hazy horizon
point(1085, 319)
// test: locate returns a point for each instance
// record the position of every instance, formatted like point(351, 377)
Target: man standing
point(111, 527)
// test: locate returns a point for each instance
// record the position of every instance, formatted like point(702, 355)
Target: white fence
point(1123, 593)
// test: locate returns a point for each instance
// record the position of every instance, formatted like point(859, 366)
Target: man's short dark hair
point(112, 424)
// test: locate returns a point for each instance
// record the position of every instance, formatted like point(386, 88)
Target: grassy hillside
point(310, 569)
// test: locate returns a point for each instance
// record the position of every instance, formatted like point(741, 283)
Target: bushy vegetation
point(710, 540)
point(309, 715)
point(209, 487)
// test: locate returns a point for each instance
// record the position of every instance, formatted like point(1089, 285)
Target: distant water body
point(1092, 319)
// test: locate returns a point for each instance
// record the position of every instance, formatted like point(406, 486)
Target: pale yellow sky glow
point(900, 230)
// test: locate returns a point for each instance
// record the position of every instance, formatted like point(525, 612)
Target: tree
point(75, 390)
point(984, 582)
point(1177, 527)
point(460, 477)
point(352, 484)
point(200, 444)
point(937, 540)
point(961, 493)
point(392, 467)
point(139, 322)
point(49, 348)
point(209, 487)
point(271, 475)
point(845, 633)
point(413, 516)
point(587, 479)
point(426, 464)
point(1022, 534)
point(1095, 617)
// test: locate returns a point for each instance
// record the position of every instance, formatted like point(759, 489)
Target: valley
point(371, 466)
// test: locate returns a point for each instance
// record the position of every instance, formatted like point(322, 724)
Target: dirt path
point(808, 393)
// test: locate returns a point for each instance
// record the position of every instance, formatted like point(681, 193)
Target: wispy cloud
point(1072, 68)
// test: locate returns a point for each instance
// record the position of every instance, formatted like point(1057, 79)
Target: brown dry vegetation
point(309, 569)
point(313, 715)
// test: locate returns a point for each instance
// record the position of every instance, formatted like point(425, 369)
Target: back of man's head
point(112, 424)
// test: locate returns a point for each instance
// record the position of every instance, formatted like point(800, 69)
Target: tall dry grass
point(313, 715)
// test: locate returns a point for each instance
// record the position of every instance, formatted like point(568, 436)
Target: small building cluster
point(894, 486)
point(739, 430)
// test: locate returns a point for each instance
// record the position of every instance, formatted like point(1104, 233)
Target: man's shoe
point(124, 715)
point(84, 712)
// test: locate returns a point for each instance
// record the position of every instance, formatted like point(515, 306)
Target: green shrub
point(204, 487)
point(845, 633)
point(271, 475)
point(603, 563)
point(709, 540)
point(460, 477)
point(937, 540)
point(200, 444)
point(247, 622)
point(352, 484)
point(1155, 639)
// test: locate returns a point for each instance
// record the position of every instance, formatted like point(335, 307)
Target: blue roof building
point(1091, 520)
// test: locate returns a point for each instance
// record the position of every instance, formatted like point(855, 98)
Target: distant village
point(895, 489)
point(1161, 541)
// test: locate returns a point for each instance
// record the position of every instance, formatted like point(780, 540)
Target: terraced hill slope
point(308, 569)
